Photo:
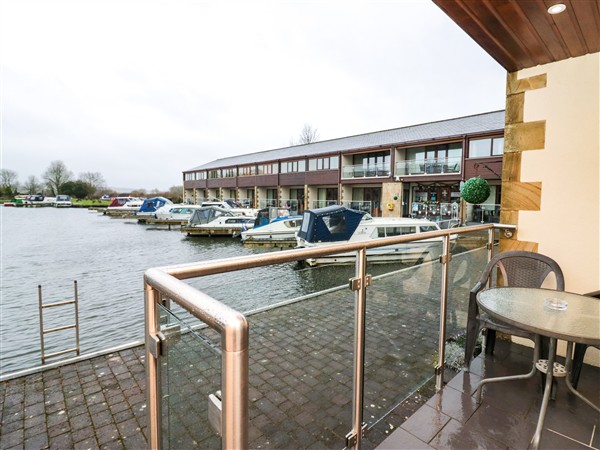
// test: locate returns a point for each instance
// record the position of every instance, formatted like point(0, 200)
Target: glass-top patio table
point(557, 315)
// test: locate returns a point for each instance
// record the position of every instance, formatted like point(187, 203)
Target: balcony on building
point(366, 165)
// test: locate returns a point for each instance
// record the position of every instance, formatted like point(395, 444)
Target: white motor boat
point(62, 201)
point(176, 213)
point(273, 225)
point(337, 224)
point(217, 221)
point(125, 204)
point(233, 206)
point(151, 205)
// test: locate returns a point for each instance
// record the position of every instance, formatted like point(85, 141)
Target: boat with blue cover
point(338, 224)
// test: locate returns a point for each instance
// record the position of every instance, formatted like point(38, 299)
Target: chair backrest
point(523, 269)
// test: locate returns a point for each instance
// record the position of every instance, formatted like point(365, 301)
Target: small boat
point(338, 224)
point(273, 225)
point(37, 200)
point(233, 206)
point(125, 204)
point(14, 202)
point(175, 213)
point(217, 221)
point(62, 201)
point(151, 205)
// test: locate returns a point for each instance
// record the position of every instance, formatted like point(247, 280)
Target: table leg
point(535, 442)
point(569, 367)
point(531, 373)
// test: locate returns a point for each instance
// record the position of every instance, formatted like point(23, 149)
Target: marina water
point(107, 257)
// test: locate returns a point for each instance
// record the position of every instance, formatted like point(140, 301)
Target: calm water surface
point(53, 247)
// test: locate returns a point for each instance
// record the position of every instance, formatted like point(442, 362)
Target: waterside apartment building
point(410, 171)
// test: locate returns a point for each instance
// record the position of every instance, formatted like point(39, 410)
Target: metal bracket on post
point(156, 344)
point(215, 412)
point(356, 283)
point(444, 259)
point(351, 438)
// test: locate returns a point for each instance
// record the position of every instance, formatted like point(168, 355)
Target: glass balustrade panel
point(402, 327)
point(190, 383)
point(403, 322)
point(469, 258)
point(301, 359)
point(301, 350)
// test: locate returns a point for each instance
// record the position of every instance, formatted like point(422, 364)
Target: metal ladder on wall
point(43, 332)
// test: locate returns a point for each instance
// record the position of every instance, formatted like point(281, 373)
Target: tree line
point(58, 179)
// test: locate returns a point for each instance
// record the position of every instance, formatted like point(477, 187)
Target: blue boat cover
point(330, 224)
point(152, 204)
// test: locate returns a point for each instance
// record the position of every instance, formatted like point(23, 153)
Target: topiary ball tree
point(475, 190)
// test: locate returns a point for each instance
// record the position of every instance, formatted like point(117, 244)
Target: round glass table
point(557, 315)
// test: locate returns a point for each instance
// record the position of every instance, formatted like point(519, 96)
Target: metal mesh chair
point(515, 269)
point(579, 352)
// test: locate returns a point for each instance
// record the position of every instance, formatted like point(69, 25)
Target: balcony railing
point(322, 203)
point(293, 205)
point(358, 205)
point(298, 372)
point(366, 171)
point(484, 213)
point(430, 166)
point(268, 203)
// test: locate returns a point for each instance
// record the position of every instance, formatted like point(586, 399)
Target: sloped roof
point(480, 123)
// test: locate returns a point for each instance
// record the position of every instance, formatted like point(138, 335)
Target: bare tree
point(94, 179)
point(56, 175)
point(176, 193)
point(32, 185)
point(9, 182)
point(307, 135)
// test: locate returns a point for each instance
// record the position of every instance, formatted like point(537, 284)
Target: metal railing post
point(76, 317)
point(490, 244)
point(234, 379)
point(152, 297)
point(359, 285)
point(445, 260)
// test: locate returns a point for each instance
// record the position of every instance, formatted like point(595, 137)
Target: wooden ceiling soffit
point(521, 34)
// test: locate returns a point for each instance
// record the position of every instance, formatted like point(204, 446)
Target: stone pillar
point(519, 136)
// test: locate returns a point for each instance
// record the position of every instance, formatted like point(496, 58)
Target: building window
point(293, 166)
point(481, 148)
point(323, 163)
point(267, 169)
point(432, 152)
point(245, 171)
point(230, 172)
point(212, 174)
point(191, 176)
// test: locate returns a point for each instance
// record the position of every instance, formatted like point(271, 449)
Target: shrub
point(475, 190)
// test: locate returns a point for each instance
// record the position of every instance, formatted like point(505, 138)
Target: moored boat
point(125, 204)
point(337, 224)
point(17, 201)
point(62, 201)
point(273, 225)
point(176, 213)
point(233, 206)
point(217, 221)
point(151, 205)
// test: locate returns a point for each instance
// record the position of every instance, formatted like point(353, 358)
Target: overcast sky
point(142, 90)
